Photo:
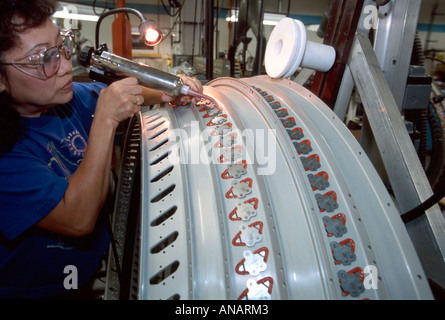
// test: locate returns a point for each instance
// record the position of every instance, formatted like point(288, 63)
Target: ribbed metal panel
point(268, 196)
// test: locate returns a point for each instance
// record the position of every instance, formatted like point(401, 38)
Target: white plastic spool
point(288, 48)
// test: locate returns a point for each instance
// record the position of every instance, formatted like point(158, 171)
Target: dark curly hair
point(16, 16)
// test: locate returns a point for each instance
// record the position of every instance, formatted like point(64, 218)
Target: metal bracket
point(335, 226)
point(396, 152)
point(257, 291)
point(254, 263)
point(351, 283)
point(250, 235)
point(240, 189)
point(245, 210)
point(343, 253)
point(222, 129)
point(395, 146)
point(232, 154)
point(236, 170)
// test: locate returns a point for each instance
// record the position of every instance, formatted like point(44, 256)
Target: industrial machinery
point(108, 67)
point(261, 192)
point(265, 196)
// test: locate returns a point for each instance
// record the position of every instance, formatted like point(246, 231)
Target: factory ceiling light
point(67, 10)
point(65, 14)
point(270, 19)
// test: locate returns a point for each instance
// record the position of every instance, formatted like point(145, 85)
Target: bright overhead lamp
point(270, 19)
point(65, 14)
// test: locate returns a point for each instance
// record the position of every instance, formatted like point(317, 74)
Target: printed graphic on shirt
point(59, 245)
point(69, 154)
point(76, 144)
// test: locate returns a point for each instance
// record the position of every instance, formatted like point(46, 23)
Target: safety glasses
point(43, 63)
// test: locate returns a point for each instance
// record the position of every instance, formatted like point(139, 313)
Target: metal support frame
point(121, 30)
point(379, 75)
point(393, 42)
point(209, 40)
point(394, 143)
point(345, 16)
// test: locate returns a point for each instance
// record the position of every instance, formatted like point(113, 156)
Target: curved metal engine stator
point(267, 196)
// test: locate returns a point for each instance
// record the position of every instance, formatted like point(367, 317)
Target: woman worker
point(55, 157)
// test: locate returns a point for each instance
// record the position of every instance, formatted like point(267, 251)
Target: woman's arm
point(152, 96)
point(77, 212)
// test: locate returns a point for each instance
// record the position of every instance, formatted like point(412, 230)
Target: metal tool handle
point(147, 76)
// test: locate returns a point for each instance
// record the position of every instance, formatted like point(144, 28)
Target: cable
point(105, 7)
point(114, 249)
point(109, 208)
point(173, 26)
point(420, 209)
point(178, 6)
point(435, 59)
point(382, 2)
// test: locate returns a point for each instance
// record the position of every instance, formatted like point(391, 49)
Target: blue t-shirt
point(33, 180)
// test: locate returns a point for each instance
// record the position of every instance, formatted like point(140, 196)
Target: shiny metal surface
point(406, 174)
point(393, 43)
point(147, 76)
point(309, 217)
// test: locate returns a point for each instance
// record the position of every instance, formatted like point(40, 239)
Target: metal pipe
point(147, 76)
point(114, 11)
point(209, 40)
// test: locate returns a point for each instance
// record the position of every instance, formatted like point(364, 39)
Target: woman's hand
point(76, 214)
point(119, 101)
point(193, 83)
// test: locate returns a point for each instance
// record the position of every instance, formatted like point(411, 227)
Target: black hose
point(420, 209)
point(114, 11)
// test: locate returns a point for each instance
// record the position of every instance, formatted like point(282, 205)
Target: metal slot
point(162, 174)
point(157, 134)
point(163, 194)
point(156, 125)
point(153, 118)
point(160, 158)
point(164, 216)
point(160, 144)
point(165, 273)
point(164, 243)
